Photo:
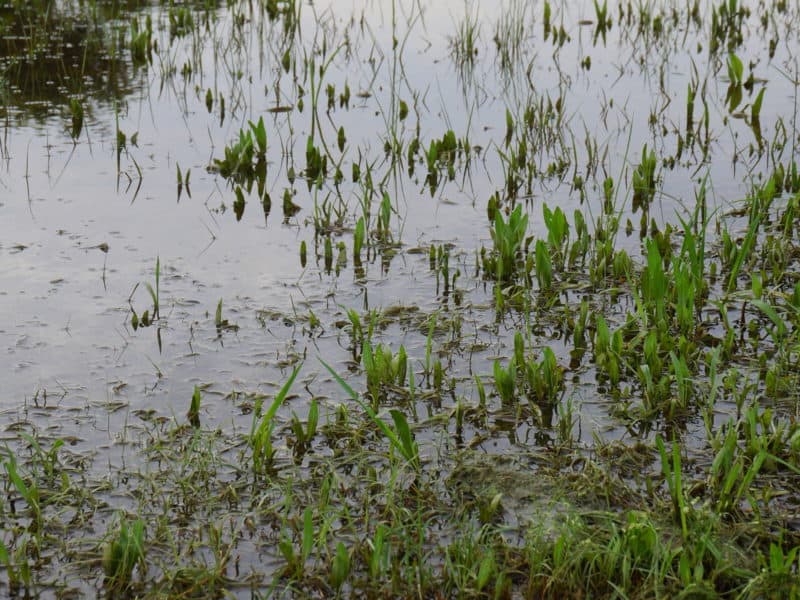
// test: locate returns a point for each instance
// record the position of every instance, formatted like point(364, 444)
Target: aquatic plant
point(147, 318)
point(644, 181)
point(260, 440)
point(193, 414)
point(244, 160)
point(123, 552)
point(401, 439)
point(505, 263)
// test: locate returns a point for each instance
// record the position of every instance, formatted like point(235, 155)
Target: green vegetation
point(543, 336)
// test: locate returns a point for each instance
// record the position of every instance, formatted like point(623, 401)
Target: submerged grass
point(456, 448)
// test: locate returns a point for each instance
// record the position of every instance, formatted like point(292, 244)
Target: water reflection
point(59, 59)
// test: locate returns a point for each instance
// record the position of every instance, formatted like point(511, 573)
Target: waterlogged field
point(399, 298)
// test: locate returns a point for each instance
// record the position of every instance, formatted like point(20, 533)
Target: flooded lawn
point(399, 298)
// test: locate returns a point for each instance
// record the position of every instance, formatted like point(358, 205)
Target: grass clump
point(123, 552)
point(506, 262)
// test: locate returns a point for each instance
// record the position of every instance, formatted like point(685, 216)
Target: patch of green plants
point(557, 407)
point(147, 317)
point(401, 439)
point(644, 181)
point(507, 261)
point(260, 439)
point(244, 161)
point(123, 551)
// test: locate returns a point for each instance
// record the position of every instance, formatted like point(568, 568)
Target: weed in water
point(401, 438)
point(303, 436)
point(644, 183)
point(505, 263)
point(545, 378)
point(123, 552)
point(146, 319)
point(263, 452)
point(505, 381)
point(193, 413)
point(76, 110)
point(29, 491)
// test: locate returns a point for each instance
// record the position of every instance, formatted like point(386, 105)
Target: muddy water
point(81, 228)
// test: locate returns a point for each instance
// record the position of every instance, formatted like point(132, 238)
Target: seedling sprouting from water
point(260, 135)
point(401, 438)
point(303, 254)
point(183, 180)
point(735, 74)
point(356, 332)
point(505, 381)
point(671, 469)
point(755, 116)
point(303, 436)
point(644, 182)
point(296, 562)
point(316, 164)
point(76, 111)
point(441, 154)
point(290, 208)
point(193, 413)
point(545, 379)
point(557, 233)
point(141, 44)
point(341, 139)
point(13, 573)
point(261, 431)
point(654, 284)
point(384, 215)
point(603, 22)
point(544, 268)
point(29, 491)
point(328, 256)
point(123, 552)
point(209, 100)
point(739, 256)
point(607, 350)
point(359, 236)
point(220, 323)
point(148, 318)
point(506, 263)
point(383, 369)
point(239, 203)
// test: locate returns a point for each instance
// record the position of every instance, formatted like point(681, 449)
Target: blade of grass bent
point(390, 435)
point(266, 420)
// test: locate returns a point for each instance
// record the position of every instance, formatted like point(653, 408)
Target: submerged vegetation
point(541, 339)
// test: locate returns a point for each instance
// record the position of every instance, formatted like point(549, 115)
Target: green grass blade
point(385, 429)
point(266, 420)
point(409, 447)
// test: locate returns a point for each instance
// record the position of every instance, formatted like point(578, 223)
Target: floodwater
point(83, 221)
point(79, 230)
point(91, 204)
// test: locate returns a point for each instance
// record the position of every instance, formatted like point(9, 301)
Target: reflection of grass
point(46, 42)
point(509, 34)
point(464, 45)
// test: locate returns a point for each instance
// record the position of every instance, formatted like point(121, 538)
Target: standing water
point(399, 298)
